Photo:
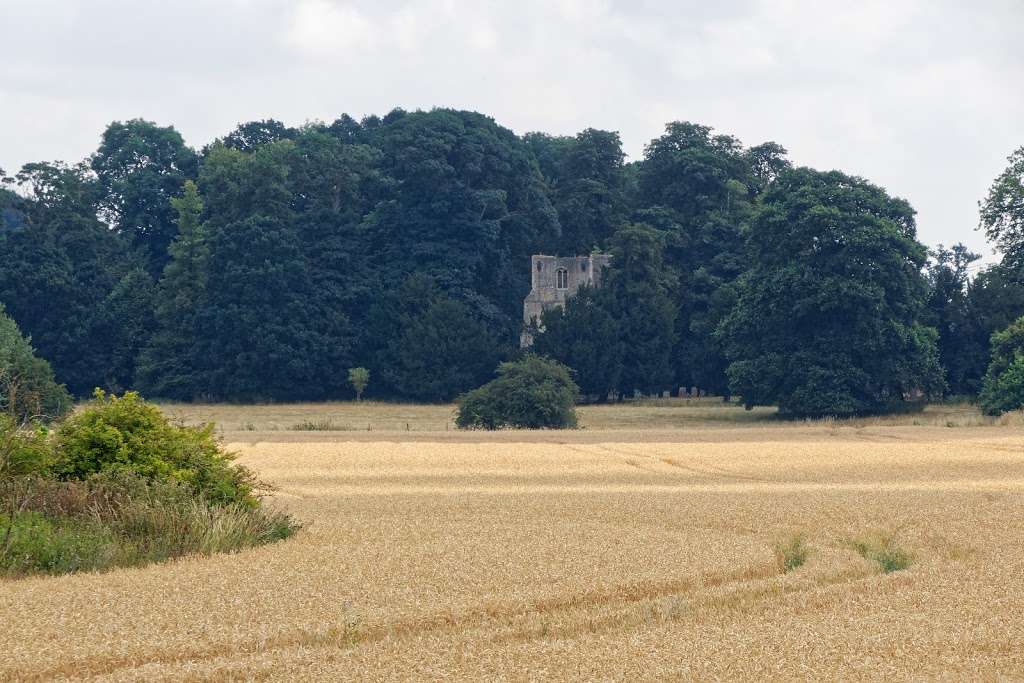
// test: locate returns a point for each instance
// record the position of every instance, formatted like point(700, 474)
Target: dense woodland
point(268, 263)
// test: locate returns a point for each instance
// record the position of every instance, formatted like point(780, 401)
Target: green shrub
point(1003, 389)
point(532, 393)
point(24, 450)
point(1004, 392)
point(34, 543)
point(120, 519)
point(27, 386)
point(126, 434)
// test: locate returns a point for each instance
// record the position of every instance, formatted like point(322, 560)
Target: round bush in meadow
point(532, 393)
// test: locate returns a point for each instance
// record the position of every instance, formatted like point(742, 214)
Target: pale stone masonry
point(554, 280)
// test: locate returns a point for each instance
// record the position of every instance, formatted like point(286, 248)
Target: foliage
point(60, 270)
point(640, 294)
point(791, 553)
point(359, 378)
point(429, 346)
point(24, 450)
point(33, 542)
point(585, 336)
point(28, 389)
point(828, 318)
point(698, 188)
point(140, 166)
point(948, 311)
point(619, 338)
point(1002, 211)
point(119, 485)
point(126, 434)
point(121, 519)
point(166, 365)
point(882, 549)
point(278, 257)
point(586, 185)
point(531, 393)
point(1003, 389)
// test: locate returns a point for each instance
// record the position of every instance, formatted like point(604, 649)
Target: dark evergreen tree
point(28, 390)
point(585, 336)
point(426, 346)
point(948, 312)
point(698, 189)
point(167, 364)
point(640, 291)
point(261, 332)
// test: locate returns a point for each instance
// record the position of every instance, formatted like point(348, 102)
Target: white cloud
point(321, 28)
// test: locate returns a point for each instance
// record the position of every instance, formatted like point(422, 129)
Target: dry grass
point(661, 414)
point(591, 554)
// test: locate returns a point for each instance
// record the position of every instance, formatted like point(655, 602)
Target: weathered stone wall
point(555, 279)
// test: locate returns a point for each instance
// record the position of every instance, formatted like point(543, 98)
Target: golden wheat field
point(612, 554)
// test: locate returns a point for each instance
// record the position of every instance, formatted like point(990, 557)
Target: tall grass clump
point(314, 426)
point(791, 553)
point(881, 548)
point(120, 485)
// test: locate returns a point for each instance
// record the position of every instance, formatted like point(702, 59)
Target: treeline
point(267, 264)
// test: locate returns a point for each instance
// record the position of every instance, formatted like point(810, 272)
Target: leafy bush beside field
point(126, 434)
point(533, 393)
point(117, 485)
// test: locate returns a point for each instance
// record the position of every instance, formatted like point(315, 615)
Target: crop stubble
point(582, 555)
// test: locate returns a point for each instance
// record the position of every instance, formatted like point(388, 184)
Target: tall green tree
point(619, 338)
point(167, 366)
point(698, 188)
point(247, 137)
point(425, 345)
point(1002, 211)
point(640, 291)
point(949, 313)
point(466, 205)
point(60, 265)
point(586, 184)
point(585, 336)
point(140, 166)
point(260, 331)
point(829, 316)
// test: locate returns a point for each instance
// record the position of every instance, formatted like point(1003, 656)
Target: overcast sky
point(925, 97)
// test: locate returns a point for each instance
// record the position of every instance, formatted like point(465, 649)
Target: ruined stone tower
point(554, 280)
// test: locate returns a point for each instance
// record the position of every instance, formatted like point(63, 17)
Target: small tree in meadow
point(359, 378)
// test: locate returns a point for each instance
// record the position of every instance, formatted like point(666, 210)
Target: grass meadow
point(662, 540)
